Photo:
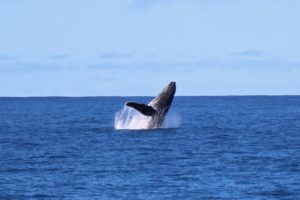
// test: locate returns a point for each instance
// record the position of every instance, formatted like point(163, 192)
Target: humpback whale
point(158, 107)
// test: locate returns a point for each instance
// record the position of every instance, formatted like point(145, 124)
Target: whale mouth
point(170, 88)
point(172, 85)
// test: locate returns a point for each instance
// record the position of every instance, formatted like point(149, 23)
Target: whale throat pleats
point(142, 108)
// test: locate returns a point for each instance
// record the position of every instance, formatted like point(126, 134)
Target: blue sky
point(135, 47)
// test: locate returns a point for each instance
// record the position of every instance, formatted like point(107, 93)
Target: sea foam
point(129, 118)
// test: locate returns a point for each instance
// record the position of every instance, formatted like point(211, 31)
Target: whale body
point(158, 107)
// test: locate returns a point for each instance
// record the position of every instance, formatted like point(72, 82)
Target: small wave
point(129, 118)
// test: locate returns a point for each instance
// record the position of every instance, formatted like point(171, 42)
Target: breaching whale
point(158, 107)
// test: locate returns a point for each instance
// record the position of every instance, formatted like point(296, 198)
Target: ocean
point(232, 147)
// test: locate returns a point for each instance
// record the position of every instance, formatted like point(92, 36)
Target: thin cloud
point(58, 56)
point(203, 3)
point(154, 66)
point(28, 67)
point(250, 52)
point(271, 64)
point(145, 4)
point(191, 67)
point(114, 54)
point(7, 57)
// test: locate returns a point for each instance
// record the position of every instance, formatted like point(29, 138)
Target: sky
point(135, 47)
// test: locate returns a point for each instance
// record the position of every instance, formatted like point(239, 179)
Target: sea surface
point(224, 148)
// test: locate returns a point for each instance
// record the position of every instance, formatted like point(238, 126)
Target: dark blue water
point(225, 148)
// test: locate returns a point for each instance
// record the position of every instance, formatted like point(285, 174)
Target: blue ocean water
point(225, 148)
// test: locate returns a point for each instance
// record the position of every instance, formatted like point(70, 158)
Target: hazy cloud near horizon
point(250, 52)
point(115, 54)
point(202, 44)
point(8, 57)
point(58, 56)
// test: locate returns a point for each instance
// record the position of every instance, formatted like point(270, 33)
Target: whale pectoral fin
point(144, 109)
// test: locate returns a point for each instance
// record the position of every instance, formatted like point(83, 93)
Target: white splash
point(172, 120)
point(129, 118)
